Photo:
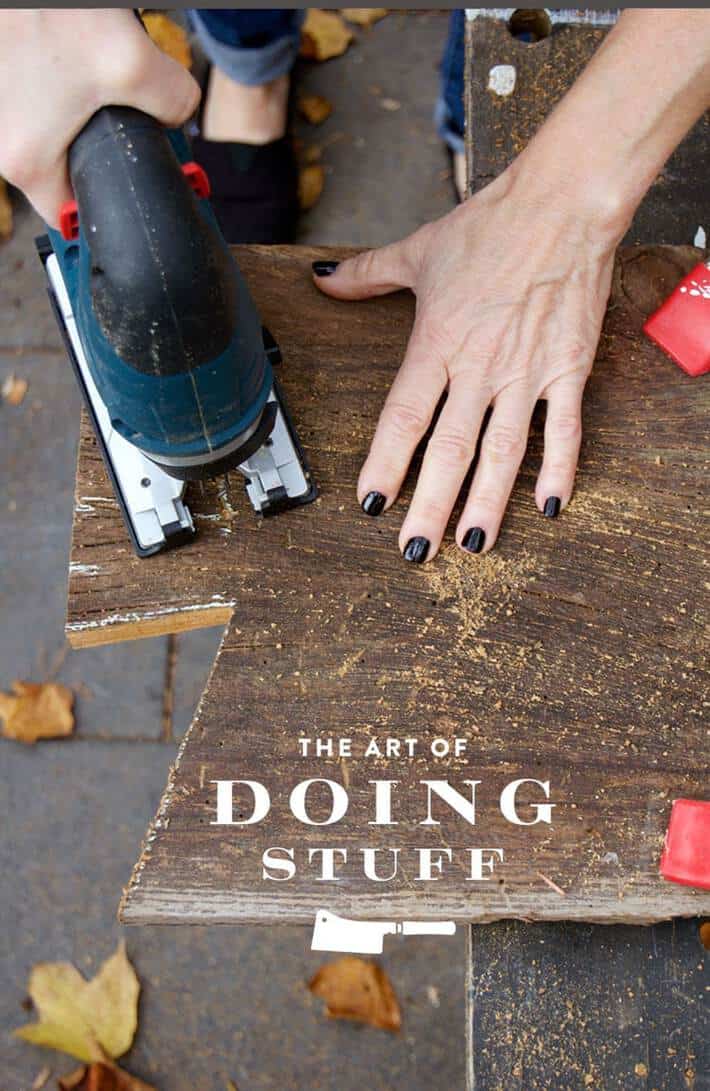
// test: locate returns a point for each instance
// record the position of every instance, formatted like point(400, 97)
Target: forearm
point(609, 137)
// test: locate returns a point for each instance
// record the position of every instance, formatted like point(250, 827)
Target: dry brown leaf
point(37, 710)
point(311, 180)
point(91, 1020)
point(324, 35)
point(101, 1076)
point(363, 17)
point(169, 37)
point(355, 988)
point(14, 389)
point(315, 108)
point(5, 211)
point(704, 931)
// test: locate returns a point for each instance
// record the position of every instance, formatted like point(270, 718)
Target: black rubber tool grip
point(163, 286)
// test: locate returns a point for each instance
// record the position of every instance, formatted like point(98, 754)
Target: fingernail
point(324, 268)
point(552, 507)
point(474, 540)
point(416, 550)
point(374, 503)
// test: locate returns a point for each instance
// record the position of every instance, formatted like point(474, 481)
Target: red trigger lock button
point(69, 221)
point(197, 177)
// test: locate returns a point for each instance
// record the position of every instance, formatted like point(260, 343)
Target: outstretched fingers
point(446, 462)
point(502, 450)
point(563, 436)
point(404, 419)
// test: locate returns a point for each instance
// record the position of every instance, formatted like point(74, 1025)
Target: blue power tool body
point(163, 332)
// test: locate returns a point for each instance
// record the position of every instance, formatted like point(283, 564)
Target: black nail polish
point(324, 268)
point(374, 503)
point(416, 550)
point(474, 540)
point(552, 507)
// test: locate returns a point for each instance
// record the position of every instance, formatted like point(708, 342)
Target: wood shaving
point(477, 589)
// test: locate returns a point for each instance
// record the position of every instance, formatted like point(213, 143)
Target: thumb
point(374, 272)
point(49, 191)
point(165, 90)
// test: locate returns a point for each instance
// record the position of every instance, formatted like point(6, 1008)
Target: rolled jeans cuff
point(446, 128)
point(252, 67)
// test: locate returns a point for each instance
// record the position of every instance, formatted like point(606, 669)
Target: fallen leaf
point(231, 1086)
point(101, 1076)
point(5, 211)
point(310, 185)
point(315, 108)
point(363, 17)
point(324, 35)
point(91, 1020)
point(37, 711)
point(355, 988)
point(705, 934)
point(14, 389)
point(390, 104)
point(169, 37)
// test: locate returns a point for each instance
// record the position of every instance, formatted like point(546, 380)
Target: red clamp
point(69, 214)
point(681, 325)
point(686, 852)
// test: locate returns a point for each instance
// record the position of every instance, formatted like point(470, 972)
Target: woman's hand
point(511, 290)
point(57, 67)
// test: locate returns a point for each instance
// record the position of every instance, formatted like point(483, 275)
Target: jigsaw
point(164, 337)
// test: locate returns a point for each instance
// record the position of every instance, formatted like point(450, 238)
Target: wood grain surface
point(573, 653)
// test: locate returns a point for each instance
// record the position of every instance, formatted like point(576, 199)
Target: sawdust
point(478, 589)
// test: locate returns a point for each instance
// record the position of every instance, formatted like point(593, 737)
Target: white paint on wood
point(76, 569)
point(146, 615)
point(501, 79)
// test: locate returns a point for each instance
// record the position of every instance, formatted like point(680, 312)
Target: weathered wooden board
point(573, 652)
point(500, 125)
point(570, 1006)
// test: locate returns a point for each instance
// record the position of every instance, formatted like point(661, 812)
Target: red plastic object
point(686, 854)
point(681, 325)
point(197, 178)
point(69, 220)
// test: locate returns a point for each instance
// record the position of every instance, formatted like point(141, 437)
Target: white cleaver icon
point(333, 933)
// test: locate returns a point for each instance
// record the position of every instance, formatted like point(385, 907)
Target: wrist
point(600, 203)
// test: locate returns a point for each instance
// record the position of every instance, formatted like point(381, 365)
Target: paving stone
point(217, 1002)
point(387, 172)
point(195, 655)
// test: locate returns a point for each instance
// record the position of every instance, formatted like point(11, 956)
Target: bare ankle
point(240, 113)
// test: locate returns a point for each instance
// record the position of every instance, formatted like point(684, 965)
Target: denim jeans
point(255, 45)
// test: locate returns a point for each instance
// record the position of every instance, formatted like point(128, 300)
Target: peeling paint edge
point(147, 615)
